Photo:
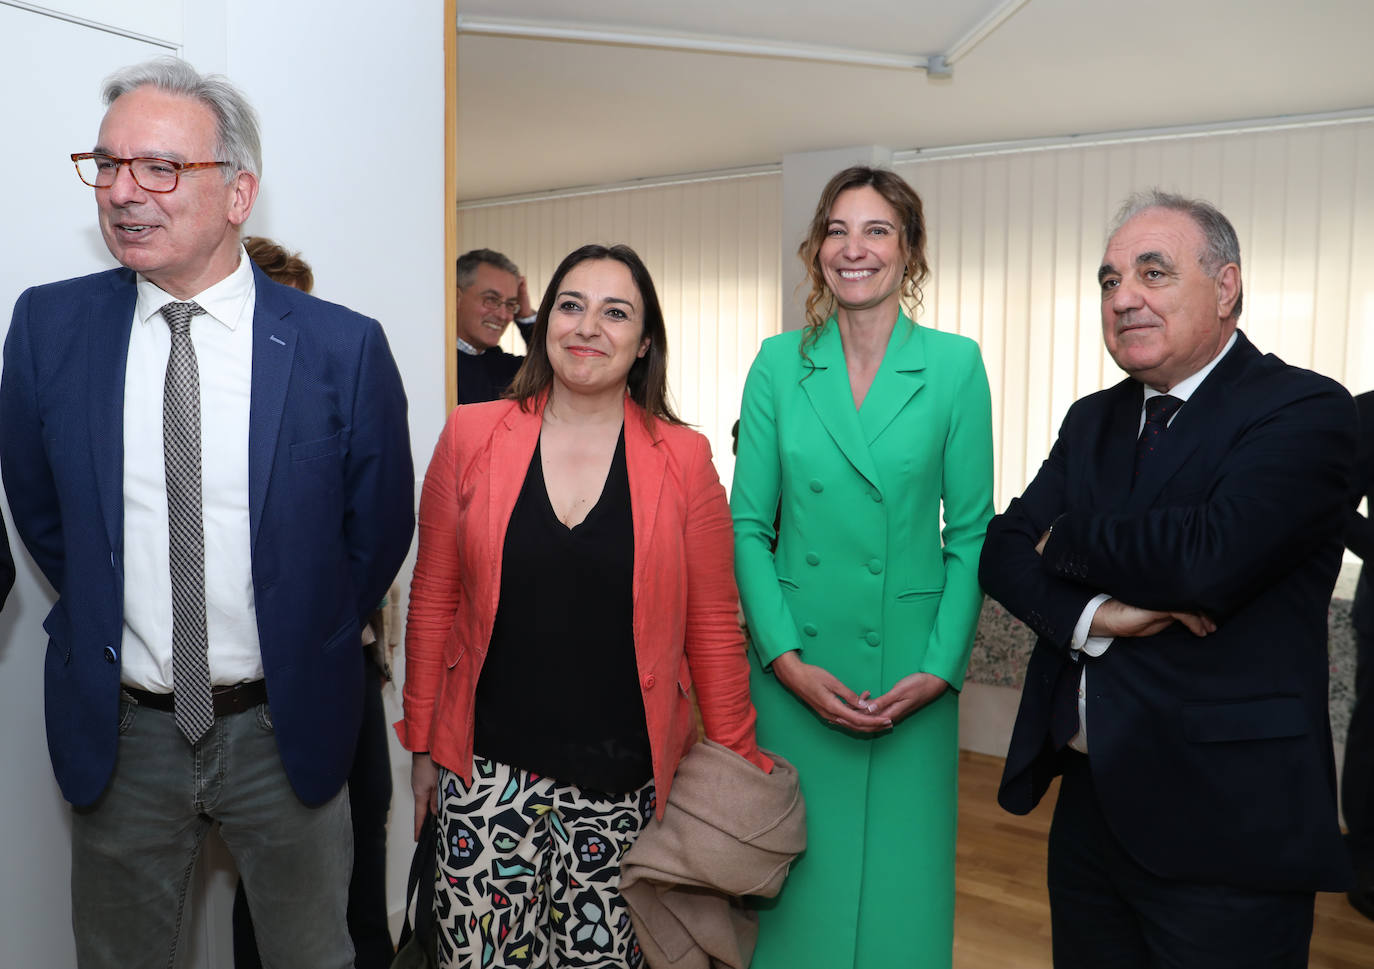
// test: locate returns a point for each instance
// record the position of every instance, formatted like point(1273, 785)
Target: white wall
point(352, 114)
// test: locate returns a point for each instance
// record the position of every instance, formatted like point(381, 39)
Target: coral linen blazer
point(685, 604)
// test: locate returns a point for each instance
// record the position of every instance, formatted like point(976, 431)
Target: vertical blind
point(1016, 238)
point(712, 248)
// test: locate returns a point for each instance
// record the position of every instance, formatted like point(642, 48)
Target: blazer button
point(649, 682)
point(873, 639)
point(810, 629)
point(812, 558)
point(876, 495)
point(875, 566)
point(110, 655)
point(816, 485)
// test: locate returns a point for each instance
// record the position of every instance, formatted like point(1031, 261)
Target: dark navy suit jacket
point(331, 496)
point(1211, 756)
point(1359, 530)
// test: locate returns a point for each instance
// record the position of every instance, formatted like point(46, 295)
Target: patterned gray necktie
point(195, 711)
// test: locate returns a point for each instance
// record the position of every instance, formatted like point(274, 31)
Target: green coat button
point(812, 558)
point(873, 639)
point(875, 566)
point(810, 629)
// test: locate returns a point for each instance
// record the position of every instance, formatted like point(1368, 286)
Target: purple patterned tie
point(192, 702)
point(1158, 410)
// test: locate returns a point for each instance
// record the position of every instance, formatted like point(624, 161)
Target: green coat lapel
point(827, 387)
point(899, 378)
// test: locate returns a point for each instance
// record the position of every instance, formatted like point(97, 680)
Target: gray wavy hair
point(1220, 244)
point(238, 141)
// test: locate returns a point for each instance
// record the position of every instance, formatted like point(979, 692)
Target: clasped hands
point(837, 704)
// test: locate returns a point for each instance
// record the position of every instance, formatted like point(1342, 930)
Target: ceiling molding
point(910, 155)
point(1103, 139)
point(937, 65)
point(670, 40)
point(982, 29)
point(173, 46)
point(661, 181)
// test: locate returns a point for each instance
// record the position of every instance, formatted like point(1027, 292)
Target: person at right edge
point(864, 425)
point(1357, 773)
point(1175, 555)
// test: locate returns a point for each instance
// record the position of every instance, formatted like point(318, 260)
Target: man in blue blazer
point(1175, 555)
point(213, 472)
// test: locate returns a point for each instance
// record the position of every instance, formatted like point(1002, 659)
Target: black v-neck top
point(559, 691)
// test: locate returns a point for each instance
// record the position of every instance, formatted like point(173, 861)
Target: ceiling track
point(986, 149)
point(935, 65)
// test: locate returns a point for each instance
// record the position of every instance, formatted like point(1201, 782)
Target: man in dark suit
point(1357, 773)
point(213, 472)
point(491, 293)
point(1175, 554)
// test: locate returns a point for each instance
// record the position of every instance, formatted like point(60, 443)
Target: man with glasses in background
point(213, 472)
point(491, 293)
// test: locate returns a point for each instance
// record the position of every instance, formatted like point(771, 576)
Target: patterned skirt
point(529, 871)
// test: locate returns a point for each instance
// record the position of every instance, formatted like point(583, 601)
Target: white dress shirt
point(1097, 645)
point(223, 341)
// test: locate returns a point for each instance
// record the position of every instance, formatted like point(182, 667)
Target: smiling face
point(596, 328)
point(185, 240)
point(484, 305)
point(861, 259)
point(1163, 317)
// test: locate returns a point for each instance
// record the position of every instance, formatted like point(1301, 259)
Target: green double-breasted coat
point(865, 583)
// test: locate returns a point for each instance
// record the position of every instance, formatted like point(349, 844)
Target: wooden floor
point(1002, 917)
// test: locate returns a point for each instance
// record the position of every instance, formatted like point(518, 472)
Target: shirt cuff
point(526, 320)
point(1092, 645)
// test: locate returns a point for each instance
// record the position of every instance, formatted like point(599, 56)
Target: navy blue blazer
point(1211, 756)
point(331, 496)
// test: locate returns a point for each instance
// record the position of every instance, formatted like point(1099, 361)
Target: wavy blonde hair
point(820, 302)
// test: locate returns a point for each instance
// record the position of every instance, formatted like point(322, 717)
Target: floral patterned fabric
point(529, 871)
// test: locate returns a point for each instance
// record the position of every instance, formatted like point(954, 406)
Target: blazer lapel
point(274, 350)
point(647, 465)
point(1190, 428)
point(108, 349)
point(827, 387)
point(512, 448)
point(1112, 455)
point(898, 380)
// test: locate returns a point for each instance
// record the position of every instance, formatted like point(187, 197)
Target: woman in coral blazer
point(574, 580)
point(858, 433)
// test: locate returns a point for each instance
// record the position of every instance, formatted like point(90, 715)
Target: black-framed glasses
point(152, 174)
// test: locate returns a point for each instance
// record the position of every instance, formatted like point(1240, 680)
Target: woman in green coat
point(854, 433)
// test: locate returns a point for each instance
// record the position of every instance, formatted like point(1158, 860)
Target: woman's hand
point(424, 784)
point(834, 702)
point(908, 695)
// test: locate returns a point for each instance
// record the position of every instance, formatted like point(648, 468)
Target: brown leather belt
point(227, 699)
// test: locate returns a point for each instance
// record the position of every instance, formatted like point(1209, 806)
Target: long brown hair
point(820, 302)
point(648, 377)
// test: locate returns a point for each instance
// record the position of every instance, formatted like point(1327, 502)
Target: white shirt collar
point(465, 347)
point(1185, 388)
point(222, 302)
